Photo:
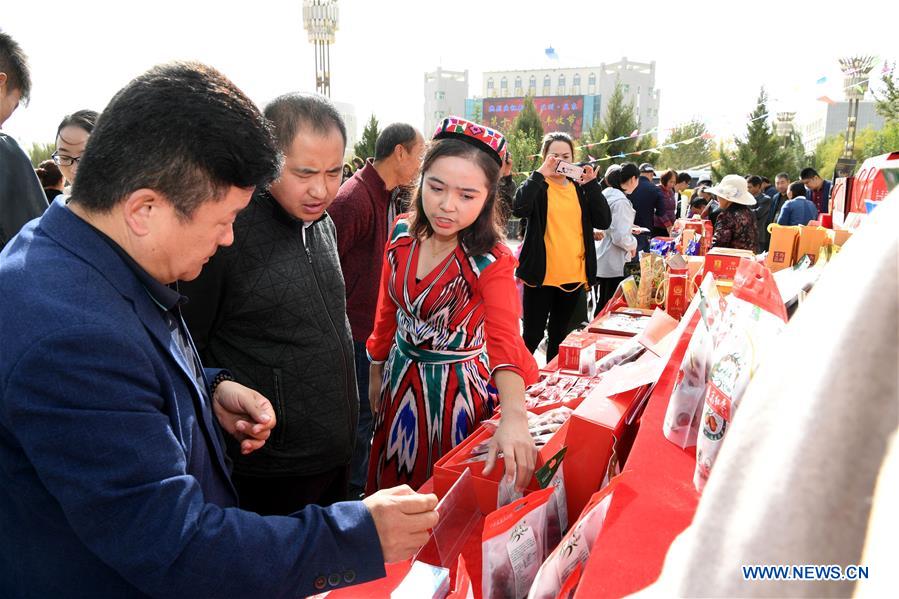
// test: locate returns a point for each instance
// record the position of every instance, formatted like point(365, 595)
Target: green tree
point(525, 154)
point(796, 158)
point(885, 140)
point(528, 121)
point(695, 152)
point(365, 147)
point(759, 152)
point(830, 149)
point(888, 99)
point(40, 152)
point(619, 122)
point(478, 111)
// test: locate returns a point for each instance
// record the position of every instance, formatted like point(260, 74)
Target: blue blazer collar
point(79, 238)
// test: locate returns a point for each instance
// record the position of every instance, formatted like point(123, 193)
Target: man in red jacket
point(362, 215)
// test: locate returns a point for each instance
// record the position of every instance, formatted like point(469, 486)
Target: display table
point(653, 503)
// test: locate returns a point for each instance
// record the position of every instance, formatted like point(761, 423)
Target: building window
point(518, 82)
point(440, 95)
point(561, 85)
point(490, 83)
point(547, 84)
point(626, 88)
point(532, 85)
point(577, 79)
point(504, 86)
point(591, 80)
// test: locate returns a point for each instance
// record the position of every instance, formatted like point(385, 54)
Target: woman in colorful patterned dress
point(447, 320)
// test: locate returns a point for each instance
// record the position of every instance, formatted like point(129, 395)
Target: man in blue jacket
point(817, 190)
point(113, 477)
point(648, 201)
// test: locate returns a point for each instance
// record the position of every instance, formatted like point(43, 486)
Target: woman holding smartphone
point(558, 260)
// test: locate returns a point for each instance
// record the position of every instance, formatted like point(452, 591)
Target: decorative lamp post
point(783, 125)
point(320, 22)
point(855, 81)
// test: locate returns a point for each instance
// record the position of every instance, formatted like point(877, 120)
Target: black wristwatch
point(220, 378)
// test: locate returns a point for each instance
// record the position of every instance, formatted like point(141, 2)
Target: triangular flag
point(821, 80)
point(604, 139)
point(592, 159)
point(706, 136)
point(886, 68)
point(635, 132)
point(826, 100)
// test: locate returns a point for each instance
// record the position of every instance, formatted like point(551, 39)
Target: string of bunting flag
point(656, 150)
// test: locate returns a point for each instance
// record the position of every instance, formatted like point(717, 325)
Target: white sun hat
point(733, 188)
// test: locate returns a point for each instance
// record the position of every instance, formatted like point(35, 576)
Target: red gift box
point(723, 262)
point(577, 352)
point(486, 486)
point(703, 229)
point(594, 431)
point(676, 295)
point(606, 344)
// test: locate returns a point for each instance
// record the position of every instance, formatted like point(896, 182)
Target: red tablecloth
point(650, 507)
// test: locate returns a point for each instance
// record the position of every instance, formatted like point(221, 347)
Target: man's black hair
point(85, 119)
point(754, 180)
point(684, 178)
point(766, 180)
point(797, 188)
point(698, 201)
point(808, 173)
point(14, 63)
point(392, 136)
point(182, 129)
point(291, 112)
point(782, 176)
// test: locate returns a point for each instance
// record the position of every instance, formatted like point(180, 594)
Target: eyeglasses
point(64, 160)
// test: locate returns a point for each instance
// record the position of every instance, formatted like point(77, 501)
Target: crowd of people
point(205, 306)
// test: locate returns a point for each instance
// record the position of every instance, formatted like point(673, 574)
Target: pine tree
point(619, 122)
point(528, 121)
point(759, 153)
point(524, 139)
point(695, 152)
point(365, 147)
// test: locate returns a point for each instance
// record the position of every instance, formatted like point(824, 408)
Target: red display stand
point(652, 505)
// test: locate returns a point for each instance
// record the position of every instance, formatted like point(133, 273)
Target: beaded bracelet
point(220, 378)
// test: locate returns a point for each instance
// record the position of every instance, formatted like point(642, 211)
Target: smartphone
point(572, 171)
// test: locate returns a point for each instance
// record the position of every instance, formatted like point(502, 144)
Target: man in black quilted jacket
point(271, 309)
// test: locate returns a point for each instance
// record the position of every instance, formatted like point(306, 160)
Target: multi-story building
point(445, 94)
point(831, 119)
point(586, 88)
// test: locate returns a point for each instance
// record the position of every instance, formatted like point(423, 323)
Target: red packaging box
point(723, 262)
point(676, 295)
point(625, 321)
point(594, 429)
point(577, 353)
point(448, 468)
point(703, 229)
point(606, 344)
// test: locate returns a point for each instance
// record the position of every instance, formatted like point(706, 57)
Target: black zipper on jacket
point(339, 341)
